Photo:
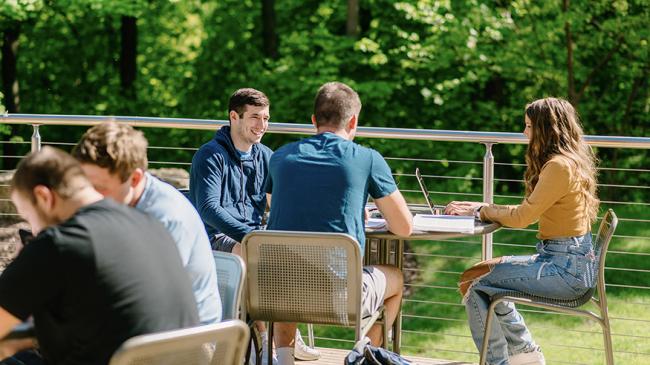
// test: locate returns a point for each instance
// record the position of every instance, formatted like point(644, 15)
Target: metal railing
point(291, 128)
point(488, 139)
point(432, 283)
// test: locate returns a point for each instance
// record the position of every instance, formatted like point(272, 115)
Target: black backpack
point(365, 354)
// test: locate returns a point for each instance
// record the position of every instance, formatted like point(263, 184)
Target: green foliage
point(427, 64)
point(18, 10)
point(469, 65)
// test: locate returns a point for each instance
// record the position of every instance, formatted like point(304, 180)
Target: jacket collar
point(223, 138)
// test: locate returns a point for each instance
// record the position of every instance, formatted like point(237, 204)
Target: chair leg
point(248, 352)
point(608, 347)
point(256, 344)
point(607, 340)
point(270, 348)
point(384, 328)
point(488, 329)
point(247, 356)
point(310, 334)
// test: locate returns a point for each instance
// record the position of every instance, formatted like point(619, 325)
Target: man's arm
point(11, 347)
point(27, 283)
point(207, 195)
point(398, 217)
point(388, 198)
point(7, 322)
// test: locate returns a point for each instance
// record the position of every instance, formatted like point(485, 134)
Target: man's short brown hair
point(52, 168)
point(247, 96)
point(116, 147)
point(335, 104)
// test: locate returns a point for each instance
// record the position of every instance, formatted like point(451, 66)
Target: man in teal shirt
point(321, 183)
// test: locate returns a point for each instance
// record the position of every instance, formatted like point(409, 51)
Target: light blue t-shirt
point(168, 205)
point(321, 184)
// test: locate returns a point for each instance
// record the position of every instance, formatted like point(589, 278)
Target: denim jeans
point(26, 357)
point(221, 242)
point(563, 268)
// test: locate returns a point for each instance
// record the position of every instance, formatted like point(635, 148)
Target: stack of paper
point(376, 223)
point(443, 223)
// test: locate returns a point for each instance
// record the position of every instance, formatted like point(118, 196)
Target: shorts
point(373, 290)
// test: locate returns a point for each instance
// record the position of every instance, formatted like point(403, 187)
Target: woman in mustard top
point(560, 181)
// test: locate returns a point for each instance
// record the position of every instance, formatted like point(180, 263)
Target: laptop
point(435, 209)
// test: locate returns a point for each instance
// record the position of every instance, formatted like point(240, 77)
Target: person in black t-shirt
point(89, 277)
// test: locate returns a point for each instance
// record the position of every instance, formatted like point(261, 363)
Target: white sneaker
point(528, 358)
point(303, 352)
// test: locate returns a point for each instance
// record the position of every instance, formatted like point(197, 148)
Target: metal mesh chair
point(601, 244)
point(215, 344)
point(305, 277)
point(230, 277)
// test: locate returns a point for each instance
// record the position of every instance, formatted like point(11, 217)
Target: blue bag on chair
point(365, 354)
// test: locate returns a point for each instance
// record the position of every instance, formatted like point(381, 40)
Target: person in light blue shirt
point(114, 158)
point(168, 205)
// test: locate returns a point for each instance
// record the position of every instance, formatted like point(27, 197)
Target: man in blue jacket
point(229, 172)
point(227, 182)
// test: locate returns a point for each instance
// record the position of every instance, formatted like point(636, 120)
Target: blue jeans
point(563, 268)
point(221, 242)
point(26, 357)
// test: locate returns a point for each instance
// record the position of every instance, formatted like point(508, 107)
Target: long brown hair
point(556, 130)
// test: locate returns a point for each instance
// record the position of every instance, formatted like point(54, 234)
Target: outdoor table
point(384, 239)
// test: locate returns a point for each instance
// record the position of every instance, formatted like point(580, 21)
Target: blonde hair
point(117, 147)
point(556, 130)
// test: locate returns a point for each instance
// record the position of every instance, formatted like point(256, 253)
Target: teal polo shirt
point(322, 183)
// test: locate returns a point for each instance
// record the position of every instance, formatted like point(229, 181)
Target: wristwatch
point(477, 212)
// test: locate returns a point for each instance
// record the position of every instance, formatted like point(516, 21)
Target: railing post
point(488, 194)
point(36, 139)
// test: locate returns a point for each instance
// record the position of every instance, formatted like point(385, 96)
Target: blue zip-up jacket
point(228, 192)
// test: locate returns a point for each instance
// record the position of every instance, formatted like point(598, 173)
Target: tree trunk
point(128, 54)
point(269, 35)
point(352, 25)
point(571, 92)
point(10, 88)
point(9, 76)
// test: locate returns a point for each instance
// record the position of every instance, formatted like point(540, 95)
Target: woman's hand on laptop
point(463, 207)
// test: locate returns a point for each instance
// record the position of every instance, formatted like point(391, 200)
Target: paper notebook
point(376, 224)
point(443, 223)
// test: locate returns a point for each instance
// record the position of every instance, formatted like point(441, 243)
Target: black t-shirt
point(105, 275)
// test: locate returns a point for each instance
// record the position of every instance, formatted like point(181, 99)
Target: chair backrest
point(230, 278)
point(303, 277)
point(601, 245)
point(222, 343)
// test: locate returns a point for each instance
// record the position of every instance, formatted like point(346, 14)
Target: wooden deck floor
point(335, 357)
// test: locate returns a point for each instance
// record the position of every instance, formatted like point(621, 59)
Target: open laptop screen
point(435, 210)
